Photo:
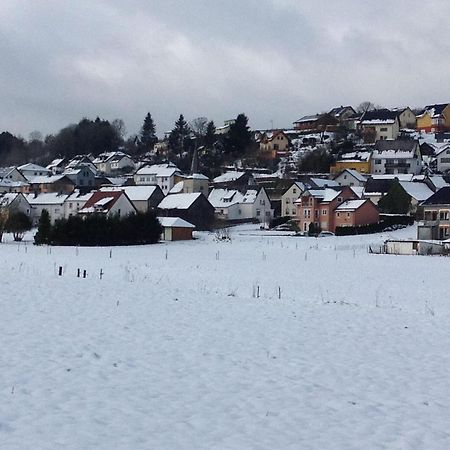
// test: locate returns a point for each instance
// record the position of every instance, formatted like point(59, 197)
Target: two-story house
point(163, 175)
point(397, 156)
point(436, 216)
point(379, 124)
point(434, 118)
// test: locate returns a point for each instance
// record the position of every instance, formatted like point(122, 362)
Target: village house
point(378, 186)
point(53, 183)
point(353, 213)
point(176, 229)
point(83, 177)
point(57, 166)
point(317, 206)
point(400, 156)
point(189, 184)
point(74, 202)
point(14, 202)
point(342, 114)
point(233, 206)
point(357, 160)
point(418, 192)
point(350, 177)
point(318, 122)
point(144, 198)
point(108, 203)
point(194, 208)
point(273, 143)
point(443, 159)
point(288, 199)
point(234, 179)
point(436, 216)
point(379, 125)
point(33, 170)
point(113, 162)
point(79, 161)
point(406, 118)
point(434, 118)
point(163, 175)
point(53, 202)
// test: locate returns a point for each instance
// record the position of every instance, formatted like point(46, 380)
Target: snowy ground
point(173, 349)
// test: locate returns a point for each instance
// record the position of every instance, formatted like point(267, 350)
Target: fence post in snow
point(101, 274)
point(78, 273)
point(279, 292)
point(167, 253)
point(110, 253)
point(84, 273)
point(60, 271)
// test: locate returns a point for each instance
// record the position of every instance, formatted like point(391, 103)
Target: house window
point(288, 200)
point(378, 161)
point(339, 214)
point(324, 212)
point(339, 199)
point(293, 212)
point(294, 191)
point(258, 212)
point(348, 214)
point(383, 129)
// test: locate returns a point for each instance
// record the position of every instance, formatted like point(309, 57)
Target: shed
point(176, 229)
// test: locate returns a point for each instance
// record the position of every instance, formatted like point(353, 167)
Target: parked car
point(325, 234)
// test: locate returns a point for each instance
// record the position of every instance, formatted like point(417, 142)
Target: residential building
point(194, 208)
point(317, 206)
point(144, 198)
point(443, 159)
point(234, 179)
point(14, 202)
point(53, 202)
point(189, 184)
point(75, 202)
point(317, 122)
point(163, 175)
point(379, 124)
point(176, 229)
point(342, 114)
point(273, 143)
point(357, 160)
point(288, 199)
point(83, 177)
point(108, 203)
point(436, 216)
point(400, 156)
point(350, 177)
point(53, 183)
point(353, 213)
point(33, 170)
point(434, 118)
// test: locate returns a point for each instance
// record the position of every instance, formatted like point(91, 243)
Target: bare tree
point(365, 106)
point(199, 126)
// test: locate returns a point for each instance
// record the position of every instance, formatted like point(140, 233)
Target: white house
point(111, 162)
point(109, 203)
point(443, 159)
point(400, 156)
point(53, 202)
point(292, 194)
point(350, 177)
point(232, 205)
point(380, 124)
point(74, 202)
point(15, 202)
point(163, 175)
point(144, 198)
point(33, 170)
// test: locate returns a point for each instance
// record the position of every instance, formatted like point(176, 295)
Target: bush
point(100, 230)
point(17, 224)
point(43, 234)
point(388, 223)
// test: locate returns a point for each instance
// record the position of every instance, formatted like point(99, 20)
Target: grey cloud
point(272, 59)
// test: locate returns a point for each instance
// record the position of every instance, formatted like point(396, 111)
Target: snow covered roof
point(179, 201)
point(438, 181)
point(228, 176)
point(174, 222)
point(357, 156)
point(399, 176)
point(159, 170)
point(358, 190)
point(323, 182)
point(250, 196)
point(49, 198)
point(417, 190)
point(134, 193)
point(433, 110)
point(177, 188)
point(223, 198)
point(307, 118)
point(75, 196)
point(196, 176)
point(330, 194)
point(355, 174)
point(101, 199)
point(43, 179)
point(33, 167)
point(8, 198)
point(393, 154)
point(55, 163)
point(351, 205)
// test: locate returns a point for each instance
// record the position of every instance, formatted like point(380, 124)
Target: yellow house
point(273, 143)
point(434, 118)
point(359, 161)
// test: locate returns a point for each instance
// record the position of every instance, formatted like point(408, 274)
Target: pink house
point(329, 208)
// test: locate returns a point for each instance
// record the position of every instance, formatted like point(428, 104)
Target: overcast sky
point(275, 60)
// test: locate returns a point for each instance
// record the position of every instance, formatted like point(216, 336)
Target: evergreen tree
point(147, 135)
point(43, 235)
point(179, 136)
point(239, 137)
point(17, 224)
point(210, 135)
point(396, 201)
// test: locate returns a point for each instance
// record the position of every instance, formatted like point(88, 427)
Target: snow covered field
point(173, 349)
